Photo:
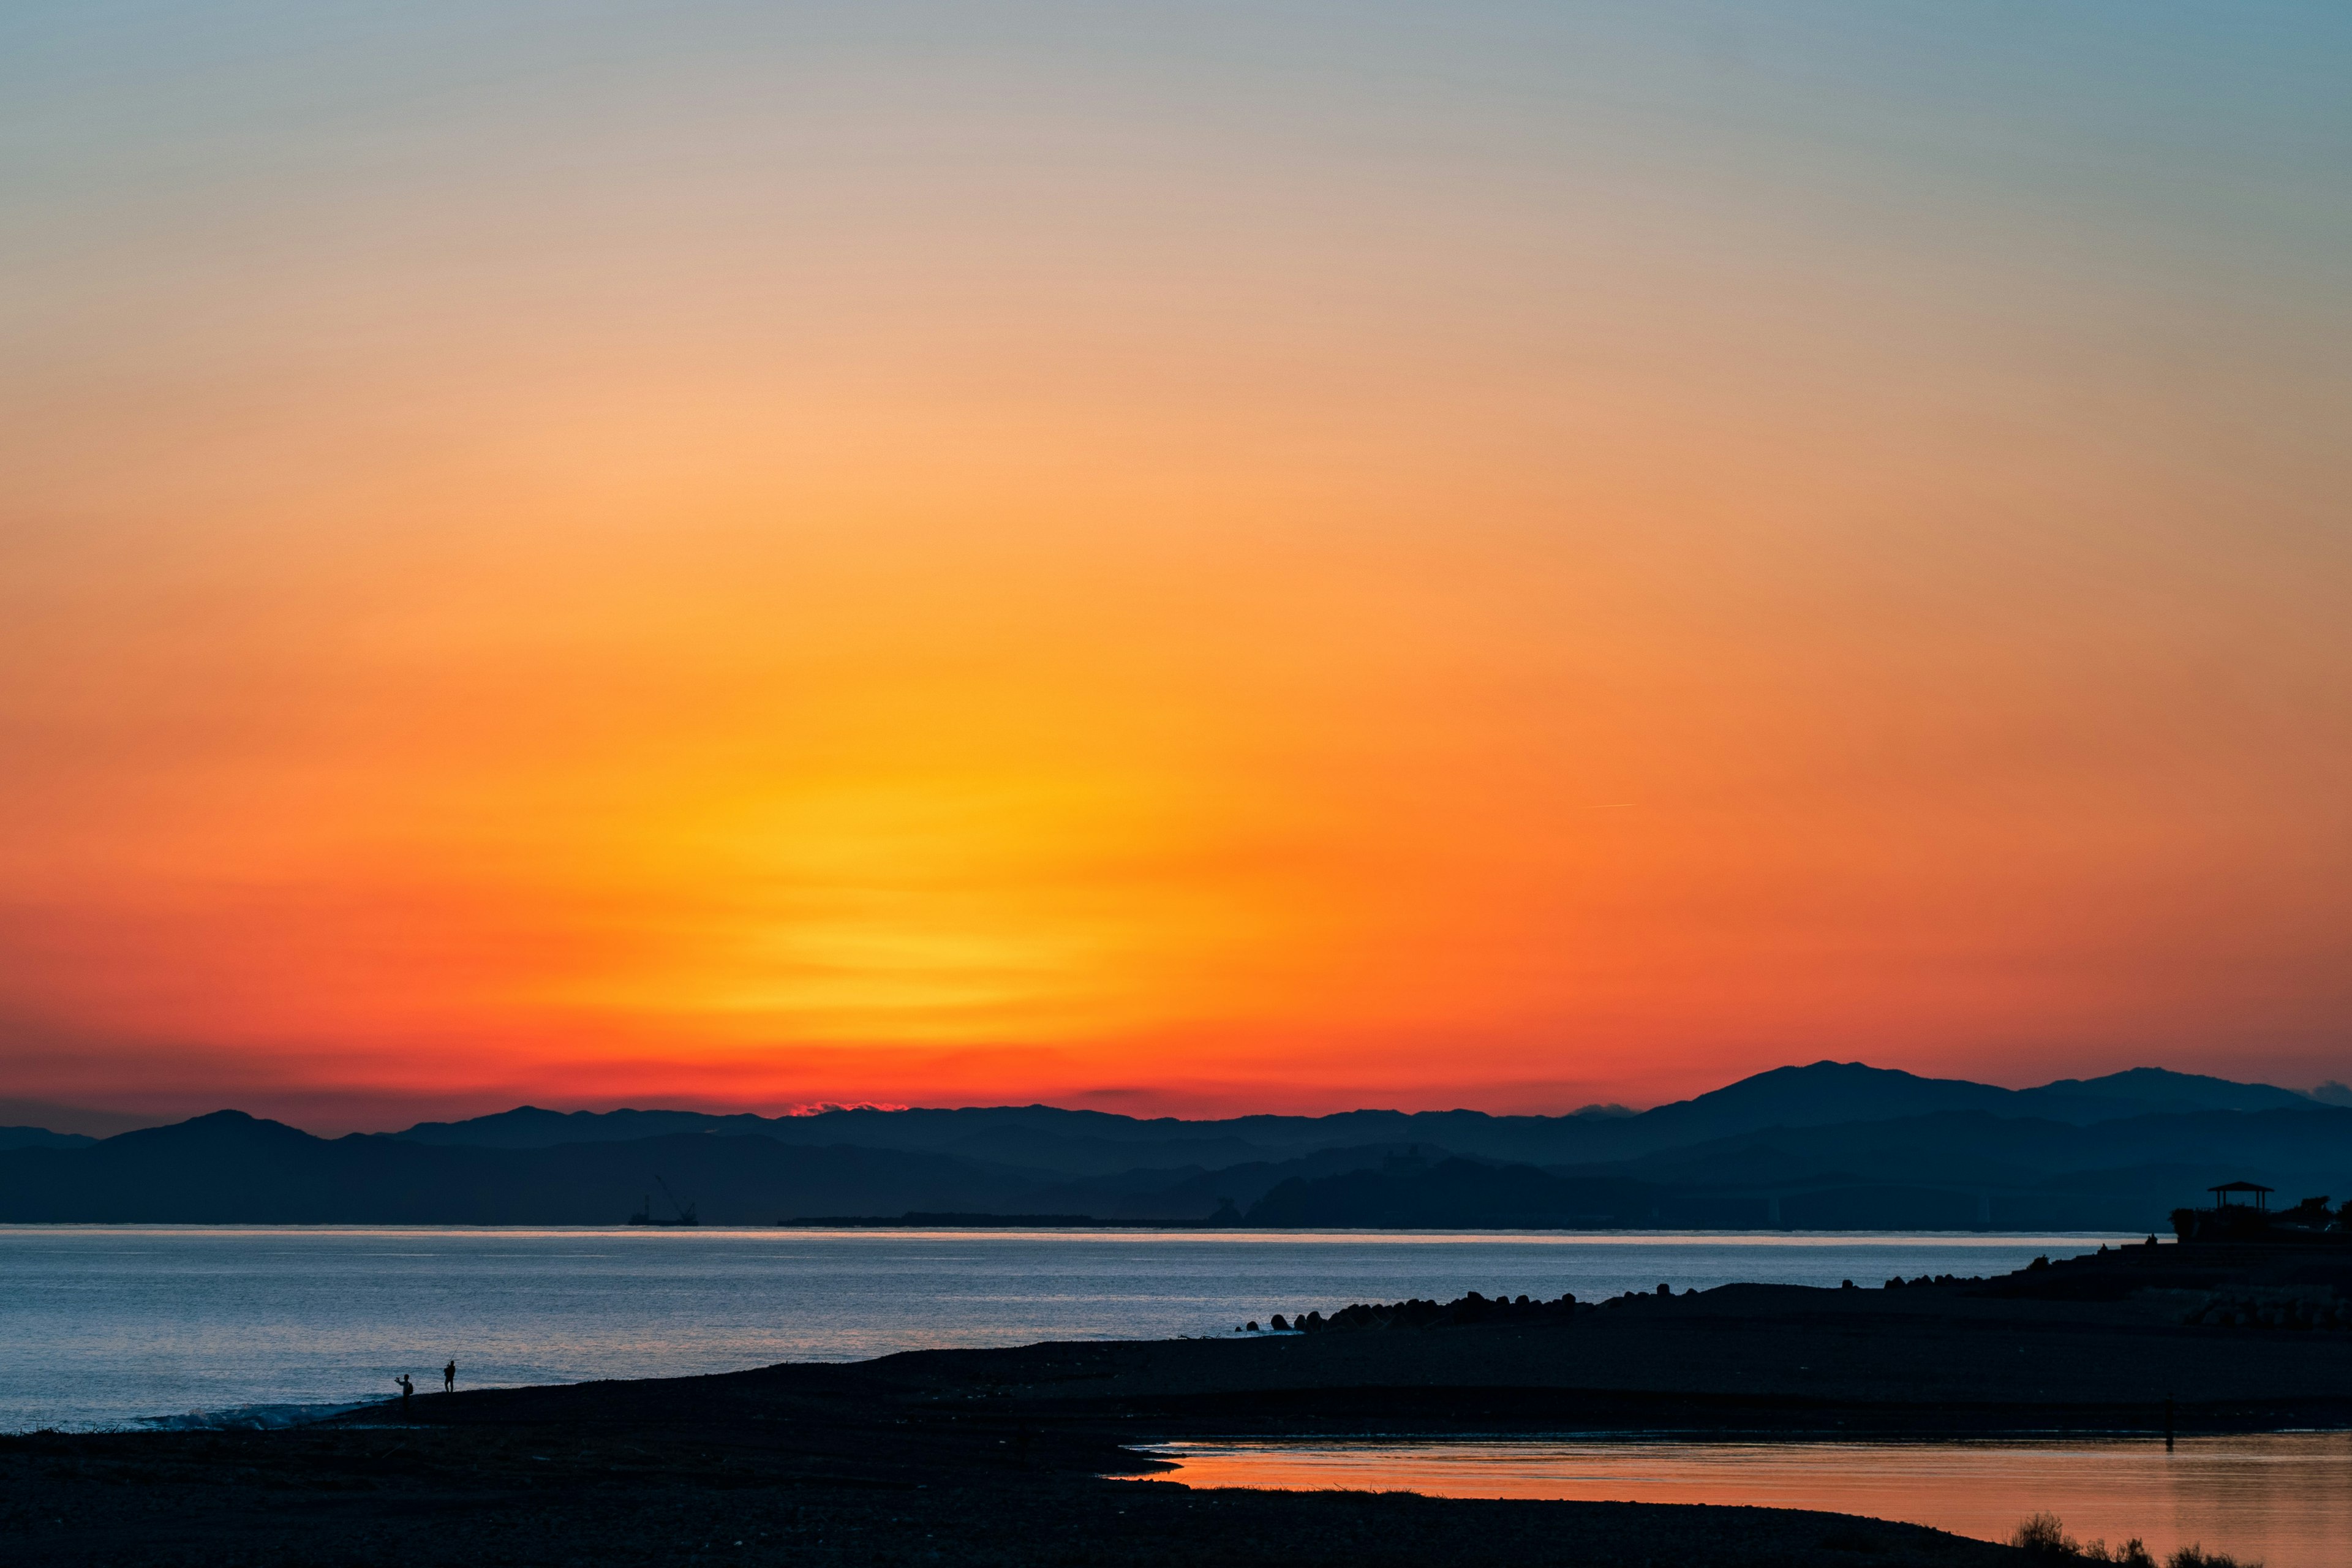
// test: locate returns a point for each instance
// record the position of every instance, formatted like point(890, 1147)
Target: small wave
point(251, 1418)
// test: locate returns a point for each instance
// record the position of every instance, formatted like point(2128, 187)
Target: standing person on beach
point(449, 1377)
point(406, 1390)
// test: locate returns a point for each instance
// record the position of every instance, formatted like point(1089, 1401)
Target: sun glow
point(1471, 567)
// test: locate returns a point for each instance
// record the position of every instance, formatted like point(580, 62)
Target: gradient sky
point(1170, 557)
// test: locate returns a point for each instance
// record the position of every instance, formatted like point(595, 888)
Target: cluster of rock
point(1416, 1313)
point(2276, 1312)
point(1898, 1281)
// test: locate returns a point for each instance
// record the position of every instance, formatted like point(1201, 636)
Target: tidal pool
point(2283, 1498)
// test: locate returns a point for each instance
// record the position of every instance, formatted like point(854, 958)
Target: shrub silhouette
point(2042, 1536)
point(2197, 1557)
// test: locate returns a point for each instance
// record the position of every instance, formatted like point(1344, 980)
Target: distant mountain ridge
point(1821, 1094)
point(42, 1138)
point(231, 1168)
point(1831, 1144)
point(1949, 1170)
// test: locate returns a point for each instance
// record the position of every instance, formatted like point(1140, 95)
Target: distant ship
point(684, 1213)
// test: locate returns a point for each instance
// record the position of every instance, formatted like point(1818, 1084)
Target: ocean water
point(110, 1325)
point(2283, 1499)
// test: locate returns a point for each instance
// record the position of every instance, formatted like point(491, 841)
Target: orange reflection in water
point(2284, 1498)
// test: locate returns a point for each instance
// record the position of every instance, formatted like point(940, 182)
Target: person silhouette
point(406, 1389)
point(449, 1377)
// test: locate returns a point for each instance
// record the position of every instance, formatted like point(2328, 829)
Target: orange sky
point(1168, 561)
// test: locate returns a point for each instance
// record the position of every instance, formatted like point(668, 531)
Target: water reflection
point(2285, 1498)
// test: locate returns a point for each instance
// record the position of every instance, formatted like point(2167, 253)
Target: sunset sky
point(1175, 558)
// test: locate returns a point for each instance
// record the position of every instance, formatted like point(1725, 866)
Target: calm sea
point(106, 1325)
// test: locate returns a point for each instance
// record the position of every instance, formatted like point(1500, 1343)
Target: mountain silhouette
point(1829, 1145)
point(1821, 1094)
point(42, 1138)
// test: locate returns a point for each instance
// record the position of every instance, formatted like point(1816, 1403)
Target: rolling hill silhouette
point(1830, 1145)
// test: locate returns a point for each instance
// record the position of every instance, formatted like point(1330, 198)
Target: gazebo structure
point(2242, 1212)
point(2262, 1194)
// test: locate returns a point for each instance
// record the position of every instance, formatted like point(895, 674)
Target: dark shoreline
point(1001, 1457)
